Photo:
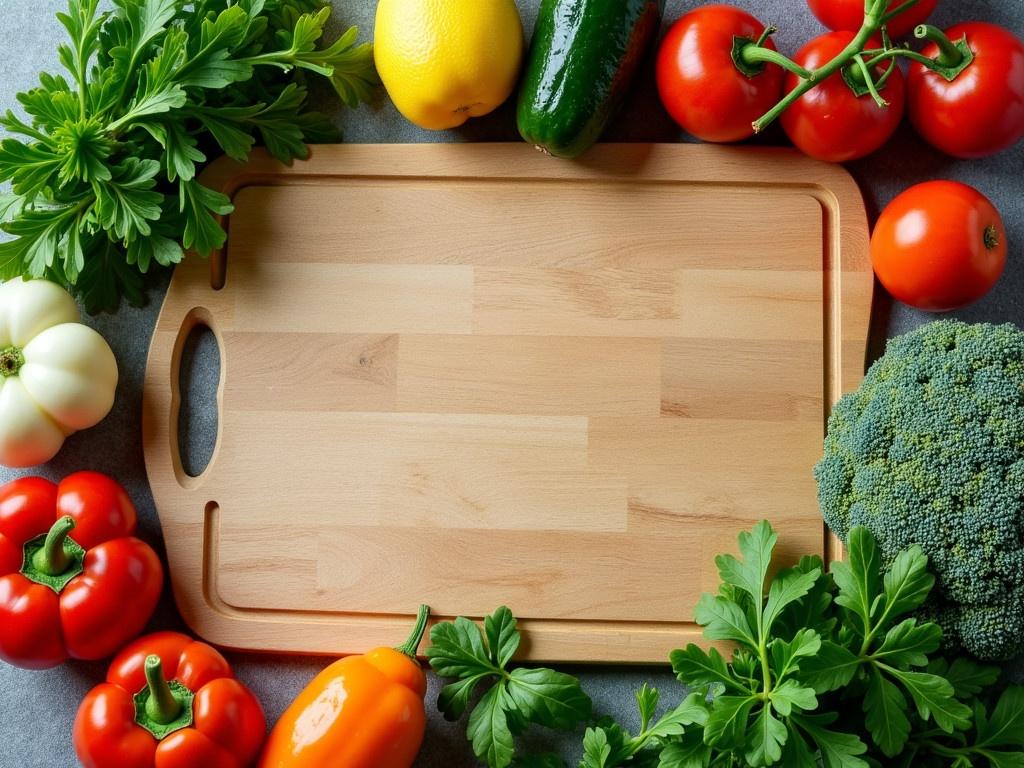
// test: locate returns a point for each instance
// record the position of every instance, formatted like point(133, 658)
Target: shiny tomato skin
point(699, 83)
point(830, 122)
point(848, 15)
point(981, 112)
point(939, 246)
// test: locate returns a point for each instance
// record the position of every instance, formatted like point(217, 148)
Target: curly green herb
point(104, 177)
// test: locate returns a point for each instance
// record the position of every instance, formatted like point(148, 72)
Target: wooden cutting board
point(471, 375)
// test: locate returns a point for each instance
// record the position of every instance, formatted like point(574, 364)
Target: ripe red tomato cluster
point(972, 108)
point(939, 245)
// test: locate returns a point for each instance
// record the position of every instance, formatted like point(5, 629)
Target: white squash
point(57, 376)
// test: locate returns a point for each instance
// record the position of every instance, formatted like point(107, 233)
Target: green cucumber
point(582, 59)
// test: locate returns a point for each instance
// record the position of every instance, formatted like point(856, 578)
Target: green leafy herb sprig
point(104, 177)
point(827, 670)
point(513, 699)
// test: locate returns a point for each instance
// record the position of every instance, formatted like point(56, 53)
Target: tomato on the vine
point(831, 122)
point(939, 246)
point(700, 82)
point(848, 15)
point(981, 110)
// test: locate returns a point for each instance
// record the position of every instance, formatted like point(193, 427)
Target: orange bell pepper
point(360, 712)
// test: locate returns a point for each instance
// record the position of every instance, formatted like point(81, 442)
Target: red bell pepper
point(74, 581)
point(202, 718)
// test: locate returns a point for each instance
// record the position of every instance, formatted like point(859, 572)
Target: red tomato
point(830, 122)
point(981, 112)
point(699, 82)
point(939, 246)
point(848, 15)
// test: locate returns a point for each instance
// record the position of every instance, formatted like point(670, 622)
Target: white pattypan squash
point(57, 376)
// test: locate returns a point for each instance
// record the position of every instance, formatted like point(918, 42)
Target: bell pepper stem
point(949, 55)
point(409, 646)
point(11, 360)
point(162, 706)
point(52, 559)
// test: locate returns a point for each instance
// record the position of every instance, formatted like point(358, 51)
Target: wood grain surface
point(470, 375)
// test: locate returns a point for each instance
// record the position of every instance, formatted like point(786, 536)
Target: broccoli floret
point(930, 451)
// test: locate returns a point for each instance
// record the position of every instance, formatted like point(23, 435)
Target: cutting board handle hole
point(199, 375)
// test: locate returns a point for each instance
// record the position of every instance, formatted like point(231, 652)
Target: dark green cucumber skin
point(582, 60)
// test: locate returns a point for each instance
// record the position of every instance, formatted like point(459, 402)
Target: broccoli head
point(930, 451)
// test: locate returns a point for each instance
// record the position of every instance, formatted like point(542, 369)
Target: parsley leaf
point(489, 730)
point(549, 698)
point(201, 205)
point(1006, 726)
point(933, 697)
point(749, 573)
point(596, 749)
point(885, 715)
point(837, 749)
point(126, 204)
point(766, 739)
point(695, 666)
point(968, 677)
point(31, 168)
point(459, 649)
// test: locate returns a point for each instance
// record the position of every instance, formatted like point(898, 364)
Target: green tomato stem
point(991, 237)
point(880, 83)
point(11, 360)
point(409, 646)
point(898, 10)
point(949, 56)
point(754, 55)
point(162, 706)
point(964, 54)
point(874, 59)
point(770, 30)
point(52, 559)
point(862, 73)
point(874, 13)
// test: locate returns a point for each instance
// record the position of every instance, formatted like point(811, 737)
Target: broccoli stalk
point(930, 451)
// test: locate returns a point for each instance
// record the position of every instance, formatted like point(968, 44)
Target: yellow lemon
point(445, 61)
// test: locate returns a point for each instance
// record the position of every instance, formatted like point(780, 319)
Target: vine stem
point(949, 55)
point(869, 81)
point(900, 53)
point(754, 54)
point(873, 19)
point(898, 10)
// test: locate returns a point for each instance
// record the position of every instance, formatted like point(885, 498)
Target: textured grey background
point(37, 708)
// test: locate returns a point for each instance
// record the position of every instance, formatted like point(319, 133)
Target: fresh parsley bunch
point(513, 699)
point(104, 179)
point(827, 670)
